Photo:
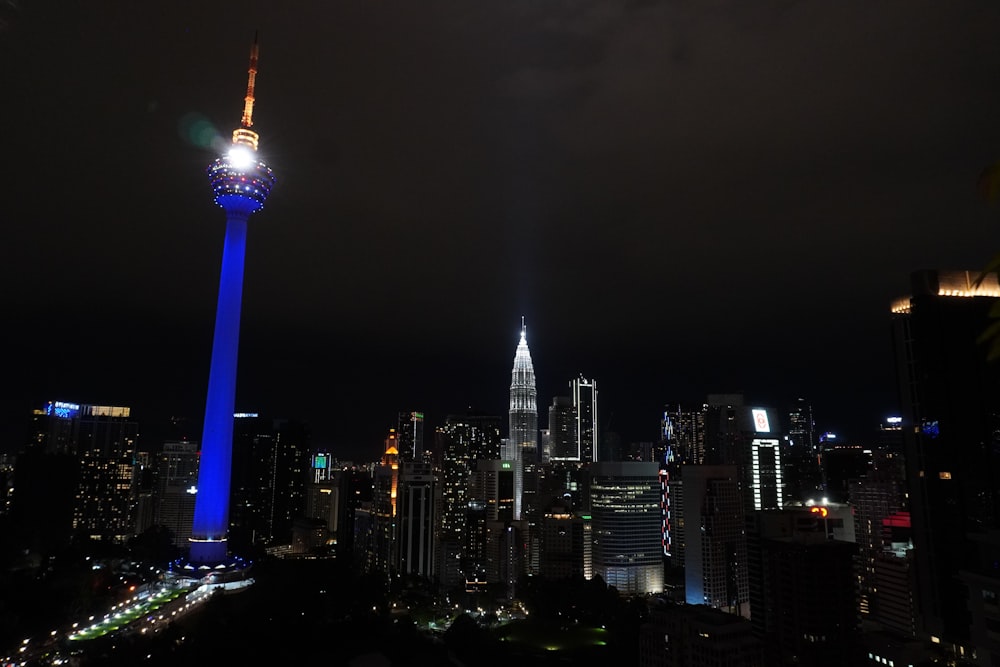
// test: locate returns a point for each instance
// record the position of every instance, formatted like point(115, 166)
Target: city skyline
point(678, 200)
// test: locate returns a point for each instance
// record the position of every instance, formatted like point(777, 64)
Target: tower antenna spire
point(522, 325)
point(243, 134)
point(251, 82)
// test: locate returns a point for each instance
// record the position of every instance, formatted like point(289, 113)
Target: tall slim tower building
point(241, 184)
point(522, 445)
point(410, 432)
point(464, 440)
point(562, 430)
point(584, 394)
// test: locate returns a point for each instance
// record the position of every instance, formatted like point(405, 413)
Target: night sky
point(680, 197)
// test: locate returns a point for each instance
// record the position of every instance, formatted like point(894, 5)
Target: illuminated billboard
point(62, 409)
point(760, 422)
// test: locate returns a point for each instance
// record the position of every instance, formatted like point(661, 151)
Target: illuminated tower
point(522, 443)
point(241, 184)
point(584, 393)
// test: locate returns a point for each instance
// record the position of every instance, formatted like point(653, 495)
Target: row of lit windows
point(883, 660)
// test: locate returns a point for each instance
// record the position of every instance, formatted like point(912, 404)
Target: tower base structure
point(208, 551)
point(231, 575)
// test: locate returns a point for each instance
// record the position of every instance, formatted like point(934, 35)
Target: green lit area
point(128, 615)
point(553, 637)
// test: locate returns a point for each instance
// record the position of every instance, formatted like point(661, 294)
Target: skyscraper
point(415, 512)
point(949, 395)
point(625, 501)
point(241, 184)
point(78, 473)
point(105, 493)
point(285, 463)
point(802, 589)
point(715, 553)
point(801, 426)
point(384, 554)
point(464, 440)
point(684, 429)
point(177, 474)
point(747, 438)
point(562, 430)
point(873, 498)
point(522, 443)
point(584, 393)
point(410, 433)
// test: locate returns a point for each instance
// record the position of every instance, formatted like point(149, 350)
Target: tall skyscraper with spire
point(522, 441)
point(241, 184)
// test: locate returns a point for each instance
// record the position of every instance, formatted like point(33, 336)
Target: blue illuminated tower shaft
point(241, 184)
point(211, 513)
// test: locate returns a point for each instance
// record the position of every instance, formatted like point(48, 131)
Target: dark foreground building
point(950, 400)
point(683, 635)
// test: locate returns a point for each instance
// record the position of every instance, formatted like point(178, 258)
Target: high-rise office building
point(522, 441)
point(949, 394)
point(176, 488)
point(321, 467)
point(625, 501)
point(802, 475)
point(563, 481)
point(241, 184)
point(715, 552)
point(874, 498)
point(415, 519)
point(253, 447)
point(270, 466)
point(492, 483)
point(891, 595)
point(980, 577)
point(410, 432)
point(385, 478)
point(563, 443)
point(323, 497)
point(801, 427)
point(566, 544)
point(464, 440)
point(354, 487)
point(491, 513)
point(671, 504)
point(802, 589)
point(287, 462)
point(748, 438)
point(684, 635)
point(78, 473)
point(684, 429)
point(839, 465)
point(105, 499)
point(584, 395)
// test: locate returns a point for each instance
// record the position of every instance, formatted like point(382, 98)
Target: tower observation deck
point(241, 183)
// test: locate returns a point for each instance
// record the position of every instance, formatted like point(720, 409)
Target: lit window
point(944, 475)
